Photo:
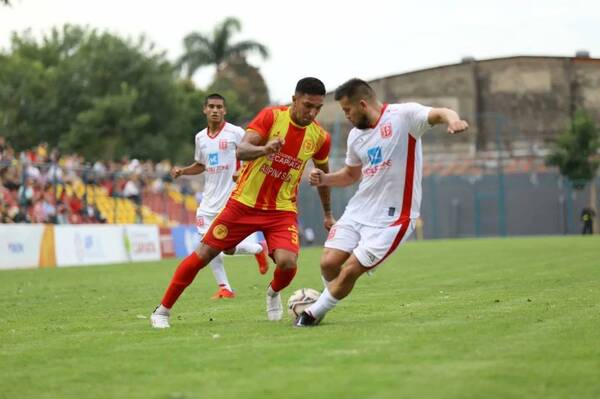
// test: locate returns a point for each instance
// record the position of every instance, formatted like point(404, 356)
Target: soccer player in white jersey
point(215, 157)
point(384, 149)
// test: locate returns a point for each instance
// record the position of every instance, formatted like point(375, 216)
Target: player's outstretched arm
point(344, 177)
point(253, 146)
point(194, 169)
point(449, 117)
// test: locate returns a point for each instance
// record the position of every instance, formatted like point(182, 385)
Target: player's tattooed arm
point(194, 169)
point(449, 117)
point(253, 146)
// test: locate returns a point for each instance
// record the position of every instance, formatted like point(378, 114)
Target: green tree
point(575, 151)
point(246, 81)
point(203, 50)
point(97, 94)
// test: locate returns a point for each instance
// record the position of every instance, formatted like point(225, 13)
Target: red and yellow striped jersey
point(271, 182)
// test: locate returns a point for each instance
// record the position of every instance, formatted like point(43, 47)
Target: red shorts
point(237, 221)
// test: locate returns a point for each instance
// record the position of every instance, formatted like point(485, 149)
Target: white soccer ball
point(300, 300)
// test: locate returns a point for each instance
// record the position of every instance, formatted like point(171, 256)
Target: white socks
point(324, 304)
point(246, 248)
point(218, 270)
point(161, 310)
point(325, 282)
point(271, 292)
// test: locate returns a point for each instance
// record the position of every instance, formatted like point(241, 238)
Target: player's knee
point(206, 253)
point(286, 263)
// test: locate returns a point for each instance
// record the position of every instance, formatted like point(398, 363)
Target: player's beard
point(363, 123)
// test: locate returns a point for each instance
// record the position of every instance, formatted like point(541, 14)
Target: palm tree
point(202, 50)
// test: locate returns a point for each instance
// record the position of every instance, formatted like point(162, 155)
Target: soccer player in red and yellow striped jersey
point(277, 146)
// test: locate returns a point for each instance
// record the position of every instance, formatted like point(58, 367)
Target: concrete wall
point(517, 104)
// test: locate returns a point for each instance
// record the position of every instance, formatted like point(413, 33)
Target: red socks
point(184, 275)
point(282, 278)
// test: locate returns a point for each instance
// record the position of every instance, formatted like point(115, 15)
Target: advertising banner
point(20, 245)
point(142, 242)
point(89, 244)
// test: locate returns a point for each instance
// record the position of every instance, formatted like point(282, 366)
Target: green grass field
point(505, 318)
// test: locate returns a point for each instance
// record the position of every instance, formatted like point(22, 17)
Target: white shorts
point(371, 245)
point(204, 220)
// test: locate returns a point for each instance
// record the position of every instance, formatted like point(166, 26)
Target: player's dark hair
point(310, 86)
point(214, 96)
point(355, 89)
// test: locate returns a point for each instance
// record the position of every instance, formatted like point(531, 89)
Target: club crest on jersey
point(386, 130)
point(222, 144)
point(213, 159)
point(374, 155)
point(220, 231)
point(309, 146)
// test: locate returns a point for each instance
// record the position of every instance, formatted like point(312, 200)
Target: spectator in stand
point(4, 192)
point(75, 208)
point(62, 213)
point(26, 192)
point(7, 155)
point(38, 214)
point(11, 179)
point(21, 216)
point(41, 153)
point(49, 207)
point(93, 215)
point(4, 212)
point(54, 174)
point(131, 190)
point(71, 165)
point(100, 169)
point(33, 172)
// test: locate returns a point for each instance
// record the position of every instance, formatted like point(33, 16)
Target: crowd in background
point(33, 182)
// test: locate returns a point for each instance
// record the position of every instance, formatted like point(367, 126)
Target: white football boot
point(274, 308)
point(159, 320)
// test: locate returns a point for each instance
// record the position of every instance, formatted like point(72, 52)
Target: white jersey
point(217, 154)
point(391, 158)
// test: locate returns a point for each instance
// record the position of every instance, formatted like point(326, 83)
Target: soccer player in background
point(384, 149)
point(215, 157)
point(277, 145)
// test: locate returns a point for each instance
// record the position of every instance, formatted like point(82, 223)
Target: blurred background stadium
point(98, 100)
point(91, 122)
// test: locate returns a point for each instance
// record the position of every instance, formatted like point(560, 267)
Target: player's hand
point(235, 175)
point(316, 177)
point(328, 222)
point(273, 146)
point(176, 172)
point(457, 126)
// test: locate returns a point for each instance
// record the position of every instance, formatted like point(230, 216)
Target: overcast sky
point(335, 40)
